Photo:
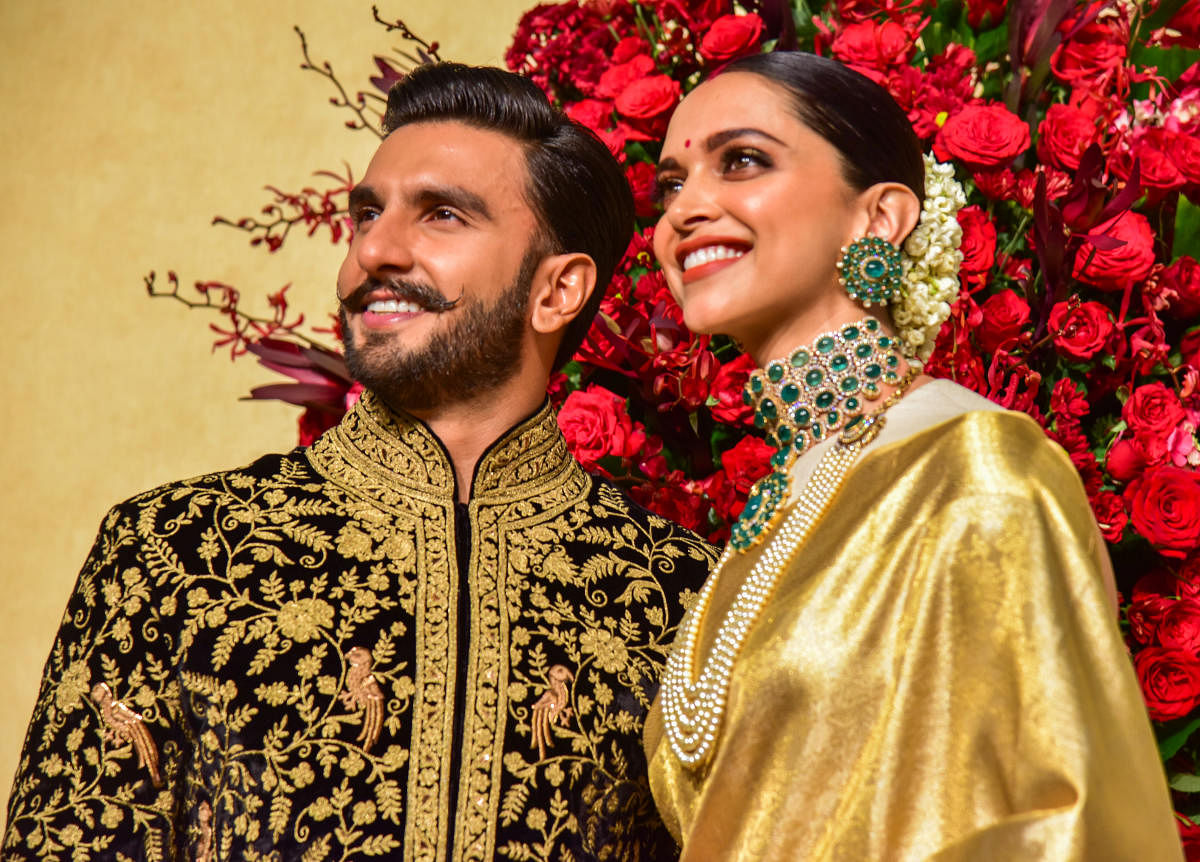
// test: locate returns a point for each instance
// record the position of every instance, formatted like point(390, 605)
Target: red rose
point(1165, 509)
point(628, 48)
point(875, 46)
point(596, 424)
point(1125, 460)
point(649, 102)
point(747, 462)
point(675, 498)
point(1063, 135)
point(982, 136)
point(1145, 614)
point(978, 245)
point(1109, 510)
point(1004, 316)
point(727, 387)
point(1115, 269)
point(641, 177)
point(1183, 278)
point(1179, 627)
point(731, 36)
point(1154, 151)
point(617, 78)
point(596, 114)
point(1189, 346)
point(1170, 682)
point(1082, 331)
point(1153, 409)
point(1090, 54)
point(985, 13)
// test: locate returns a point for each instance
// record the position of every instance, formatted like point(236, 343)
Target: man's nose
point(384, 244)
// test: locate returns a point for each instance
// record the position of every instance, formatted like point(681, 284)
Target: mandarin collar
point(381, 445)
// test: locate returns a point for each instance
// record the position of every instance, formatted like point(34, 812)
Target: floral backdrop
point(1075, 128)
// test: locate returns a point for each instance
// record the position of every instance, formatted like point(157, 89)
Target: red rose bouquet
point(1074, 127)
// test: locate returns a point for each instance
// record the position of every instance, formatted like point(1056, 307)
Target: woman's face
point(755, 211)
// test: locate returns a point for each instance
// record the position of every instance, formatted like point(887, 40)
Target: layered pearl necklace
point(694, 703)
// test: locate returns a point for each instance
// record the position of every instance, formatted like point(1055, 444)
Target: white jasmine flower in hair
point(931, 262)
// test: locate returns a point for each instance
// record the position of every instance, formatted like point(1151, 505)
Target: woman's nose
point(692, 204)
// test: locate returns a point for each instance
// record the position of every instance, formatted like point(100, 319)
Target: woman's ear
point(892, 211)
point(560, 291)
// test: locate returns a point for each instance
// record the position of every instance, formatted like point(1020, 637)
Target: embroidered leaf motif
point(272, 589)
point(317, 851)
point(161, 559)
point(307, 534)
point(638, 591)
point(379, 844)
point(514, 803)
point(390, 800)
point(281, 811)
point(226, 641)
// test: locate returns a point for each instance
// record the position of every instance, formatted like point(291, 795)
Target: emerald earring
point(870, 271)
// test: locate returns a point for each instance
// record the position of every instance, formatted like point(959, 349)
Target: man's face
point(435, 287)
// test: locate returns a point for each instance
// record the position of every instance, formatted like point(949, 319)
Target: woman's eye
point(666, 188)
point(364, 215)
point(741, 160)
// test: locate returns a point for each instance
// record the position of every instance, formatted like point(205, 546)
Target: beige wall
point(127, 125)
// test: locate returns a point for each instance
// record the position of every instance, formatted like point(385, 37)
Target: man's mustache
point(418, 293)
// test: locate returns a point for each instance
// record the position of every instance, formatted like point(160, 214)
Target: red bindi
point(687, 143)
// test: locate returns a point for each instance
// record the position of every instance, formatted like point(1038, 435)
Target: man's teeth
point(710, 253)
point(392, 306)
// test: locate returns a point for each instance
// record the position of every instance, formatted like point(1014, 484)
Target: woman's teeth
point(710, 253)
point(392, 306)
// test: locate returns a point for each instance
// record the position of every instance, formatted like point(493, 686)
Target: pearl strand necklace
point(694, 704)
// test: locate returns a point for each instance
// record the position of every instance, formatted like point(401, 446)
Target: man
point(428, 636)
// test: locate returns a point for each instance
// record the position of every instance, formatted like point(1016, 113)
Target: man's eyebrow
point(455, 196)
point(362, 195)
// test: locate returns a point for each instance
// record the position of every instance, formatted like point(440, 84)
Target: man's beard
point(479, 352)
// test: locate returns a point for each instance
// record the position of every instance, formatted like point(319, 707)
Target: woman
point(909, 649)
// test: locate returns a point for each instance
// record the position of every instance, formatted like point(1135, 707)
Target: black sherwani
point(324, 656)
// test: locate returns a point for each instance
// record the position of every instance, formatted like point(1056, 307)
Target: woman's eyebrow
point(719, 139)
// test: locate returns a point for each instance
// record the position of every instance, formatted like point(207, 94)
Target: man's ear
point(560, 290)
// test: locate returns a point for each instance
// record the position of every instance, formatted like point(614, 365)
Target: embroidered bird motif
point(204, 848)
point(363, 692)
point(552, 707)
point(123, 725)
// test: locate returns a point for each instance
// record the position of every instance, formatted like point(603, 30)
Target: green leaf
point(1170, 62)
point(1174, 735)
point(991, 45)
point(1187, 230)
point(1185, 783)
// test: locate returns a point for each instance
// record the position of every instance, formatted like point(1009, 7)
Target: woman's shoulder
point(978, 446)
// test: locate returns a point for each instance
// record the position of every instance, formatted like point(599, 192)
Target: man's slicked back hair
point(575, 187)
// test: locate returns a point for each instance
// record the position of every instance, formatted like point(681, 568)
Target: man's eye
point(364, 215)
point(443, 214)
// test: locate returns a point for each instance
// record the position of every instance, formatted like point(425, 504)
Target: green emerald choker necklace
point(804, 398)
